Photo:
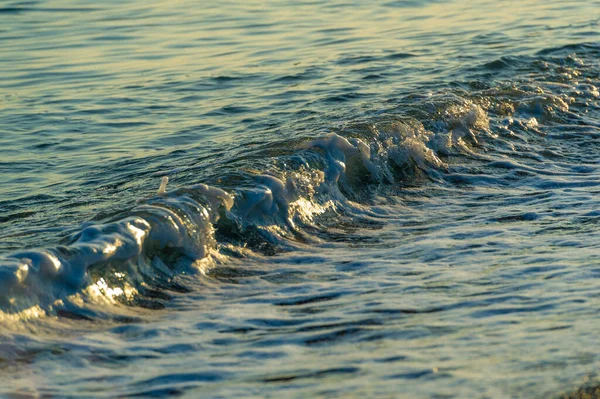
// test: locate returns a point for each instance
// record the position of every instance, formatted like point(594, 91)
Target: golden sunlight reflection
point(102, 291)
point(110, 249)
point(12, 319)
point(55, 262)
point(138, 233)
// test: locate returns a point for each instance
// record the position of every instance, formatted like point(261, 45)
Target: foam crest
point(46, 274)
point(180, 219)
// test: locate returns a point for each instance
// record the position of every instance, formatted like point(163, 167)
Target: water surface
point(382, 199)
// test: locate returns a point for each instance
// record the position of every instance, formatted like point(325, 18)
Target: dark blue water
point(299, 199)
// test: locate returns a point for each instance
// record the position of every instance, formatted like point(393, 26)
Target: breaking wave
point(312, 189)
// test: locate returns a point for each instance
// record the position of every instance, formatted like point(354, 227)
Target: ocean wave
point(317, 183)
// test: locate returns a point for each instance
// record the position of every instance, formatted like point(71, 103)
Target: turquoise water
point(299, 199)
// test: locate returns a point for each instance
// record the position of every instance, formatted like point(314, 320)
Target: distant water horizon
point(301, 199)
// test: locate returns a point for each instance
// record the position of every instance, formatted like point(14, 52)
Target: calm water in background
point(410, 206)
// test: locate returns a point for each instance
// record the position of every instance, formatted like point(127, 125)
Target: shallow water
point(382, 199)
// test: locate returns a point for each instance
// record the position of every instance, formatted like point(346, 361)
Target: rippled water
point(299, 199)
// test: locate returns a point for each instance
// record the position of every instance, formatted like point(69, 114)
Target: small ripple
point(310, 375)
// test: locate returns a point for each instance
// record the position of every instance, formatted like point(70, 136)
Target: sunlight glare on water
point(299, 198)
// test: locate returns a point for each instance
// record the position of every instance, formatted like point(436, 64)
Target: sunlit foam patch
point(12, 320)
point(213, 258)
point(307, 210)
point(103, 291)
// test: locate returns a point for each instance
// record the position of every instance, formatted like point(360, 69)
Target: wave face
point(334, 175)
point(420, 210)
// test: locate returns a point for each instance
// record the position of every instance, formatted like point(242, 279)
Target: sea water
point(299, 198)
